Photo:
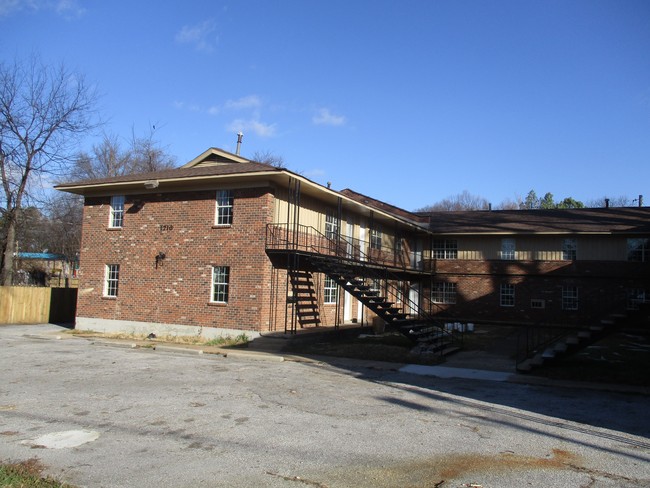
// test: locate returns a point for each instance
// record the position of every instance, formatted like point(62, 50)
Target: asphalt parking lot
point(101, 416)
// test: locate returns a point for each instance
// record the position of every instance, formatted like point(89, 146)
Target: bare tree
point(267, 157)
point(43, 111)
point(108, 158)
point(462, 201)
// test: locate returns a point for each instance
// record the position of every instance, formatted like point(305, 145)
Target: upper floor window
point(507, 295)
point(638, 249)
point(445, 249)
point(375, 237)
point(569, 249)
point(224, 207)
point(220, 284)
point(330, 288)
point(117, 211)
point(111, 280)
point(508, 249)
point(569, 298)
point(443, 292)
point(331, 225)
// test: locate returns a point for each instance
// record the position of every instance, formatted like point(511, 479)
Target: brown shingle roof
point(199, 171)
point(634, 220)
point(383, 206)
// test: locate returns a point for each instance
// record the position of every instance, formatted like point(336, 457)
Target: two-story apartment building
point(224, 244)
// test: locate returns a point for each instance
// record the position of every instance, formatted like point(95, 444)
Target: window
point(375, 237)
point(330, 290)
point(331, 225)
point(224, 207)
point(569, 249)
point(112, 280)
point(569, 298)
point(636, 296)
point(117, 211)
point(443, 292)
point(507, 295)
point(445, 249)
point(638, 249)
point(220, 283)
point(507, 249)
point(375, 284)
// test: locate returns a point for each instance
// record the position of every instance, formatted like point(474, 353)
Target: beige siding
point(544, 248)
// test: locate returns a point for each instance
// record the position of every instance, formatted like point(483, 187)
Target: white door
point(414, 297)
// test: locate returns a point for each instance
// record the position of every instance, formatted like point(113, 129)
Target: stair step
point(537, 360)
point(525, 366)
point(548, 354)
point(584, 334)
point(561, 347)
point(309, 321)
point(572, 340)
point(596, 328)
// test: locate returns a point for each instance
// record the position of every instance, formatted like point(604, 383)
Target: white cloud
point(254, 126)
point(324, 117)
point(199, 35)
point(68, 9)
point(250, 101)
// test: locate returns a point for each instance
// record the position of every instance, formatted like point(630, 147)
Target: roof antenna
point(240, 135)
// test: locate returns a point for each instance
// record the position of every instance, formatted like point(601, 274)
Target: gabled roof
point(213, 162)
point(613, 220)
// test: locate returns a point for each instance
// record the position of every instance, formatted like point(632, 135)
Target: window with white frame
point(111, 280)
point(507, 295)
point(375, 237)
point(443, 292)
point(331, 225)
point(445, 249)
point(569, 249)
point(375, 284)
point(116, 219)
point(330, 289)
point(569, 298)
point(635, 297)
point(508, 249)
point(220, 284)
point(638, 249)
point(224, 208)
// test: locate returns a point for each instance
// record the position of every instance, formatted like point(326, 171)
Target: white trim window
point(508, 249)
point(445, 249)
point(507, 295)
point(116, 219)
point(330, 289)
point(111, 280)
point(569, 298)
point(375, 237)
point(331, 225)
point(638, 249)
point(569, 249)
point(443, 292)
point(220, 284)
point(223, 215)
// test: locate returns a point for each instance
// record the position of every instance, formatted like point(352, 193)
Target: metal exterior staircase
point(546, 345)
point(305, 299)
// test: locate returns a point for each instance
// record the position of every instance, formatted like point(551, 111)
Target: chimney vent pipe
point(606, 202)
point(240, 135)
point(640, 200)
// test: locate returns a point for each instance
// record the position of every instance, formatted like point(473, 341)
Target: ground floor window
point(330, 289)
point(636, 296)
point(507, 295)
point(112, 280)
point(443, 292)
point(569, 298)
point(220, 284)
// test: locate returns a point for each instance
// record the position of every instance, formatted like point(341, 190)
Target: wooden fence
point(36, 305)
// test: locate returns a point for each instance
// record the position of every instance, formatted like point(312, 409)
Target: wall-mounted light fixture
point(151, 184)
point(160, 257)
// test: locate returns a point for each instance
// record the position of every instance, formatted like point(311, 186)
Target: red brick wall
point(601, 288)
point(178, 290)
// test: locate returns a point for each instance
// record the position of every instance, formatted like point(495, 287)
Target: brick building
point(224, 244)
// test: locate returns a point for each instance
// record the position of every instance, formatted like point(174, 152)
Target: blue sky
point(406, 101)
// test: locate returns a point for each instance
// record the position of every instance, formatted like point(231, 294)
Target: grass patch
point(240, 340)
point(27, 474)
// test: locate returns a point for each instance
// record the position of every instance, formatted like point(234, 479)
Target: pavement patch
point(62, 440)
